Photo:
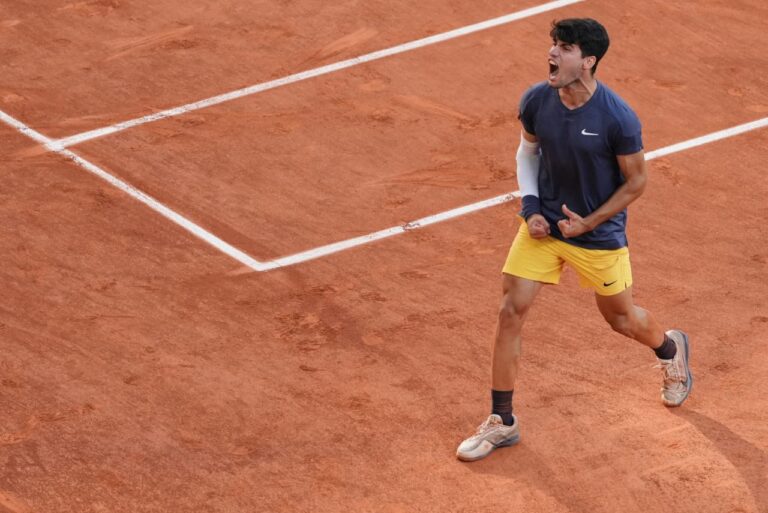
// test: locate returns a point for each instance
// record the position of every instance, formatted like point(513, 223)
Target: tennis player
point(580, 163)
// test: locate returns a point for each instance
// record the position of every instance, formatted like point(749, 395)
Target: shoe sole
point(506, 443)
point(687, 346)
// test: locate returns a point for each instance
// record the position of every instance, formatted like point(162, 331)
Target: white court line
point(704, 139)
point(297, 77)
point(144, 198)
point(349, 243)
point(498, 200)
point(389, 232)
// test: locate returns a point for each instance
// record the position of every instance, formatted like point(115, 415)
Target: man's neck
point(577, 93)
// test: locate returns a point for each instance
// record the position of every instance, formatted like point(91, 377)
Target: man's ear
point(589, 62)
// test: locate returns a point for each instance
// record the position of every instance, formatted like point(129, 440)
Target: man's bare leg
point(518, 296)
point(671, 348)
point(500, 428)
point(629, 319)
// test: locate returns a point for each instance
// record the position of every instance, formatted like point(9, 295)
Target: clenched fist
point(538, 227)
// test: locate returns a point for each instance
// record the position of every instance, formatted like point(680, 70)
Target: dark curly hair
point(590, 35)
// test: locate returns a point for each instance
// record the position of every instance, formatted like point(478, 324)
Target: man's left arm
point(635, 176)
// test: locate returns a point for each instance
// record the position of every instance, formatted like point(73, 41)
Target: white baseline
point(336, 247)
point(498, 200)
point(304, 75)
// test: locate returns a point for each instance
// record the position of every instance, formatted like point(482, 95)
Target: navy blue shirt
point(578, 163)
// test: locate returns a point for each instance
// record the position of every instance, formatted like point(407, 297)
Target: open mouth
point(553, 69)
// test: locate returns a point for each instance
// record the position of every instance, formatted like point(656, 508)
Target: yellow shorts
point(606, 271)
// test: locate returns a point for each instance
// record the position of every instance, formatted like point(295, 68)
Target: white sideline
point(144, 198)
point(297, 77)
point(498, 200)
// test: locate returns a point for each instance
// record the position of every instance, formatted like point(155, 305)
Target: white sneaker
point(490, 434)
point(678, 380)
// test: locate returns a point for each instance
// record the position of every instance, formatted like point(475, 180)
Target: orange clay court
point(178, 336)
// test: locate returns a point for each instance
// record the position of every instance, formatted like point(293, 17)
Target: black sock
point(502, 405)
point(667, 350)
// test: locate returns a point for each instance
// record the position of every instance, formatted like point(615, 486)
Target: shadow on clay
point(749, 460)
point(531, 468)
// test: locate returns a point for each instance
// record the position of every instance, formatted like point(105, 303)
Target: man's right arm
point(528, 158)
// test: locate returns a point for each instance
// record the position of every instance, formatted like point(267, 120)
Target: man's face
point(566, 64)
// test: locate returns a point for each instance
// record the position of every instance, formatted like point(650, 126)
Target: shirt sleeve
point(527, 111)
point(628, 135)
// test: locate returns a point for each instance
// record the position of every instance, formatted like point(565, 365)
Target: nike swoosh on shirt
point(584, 132)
